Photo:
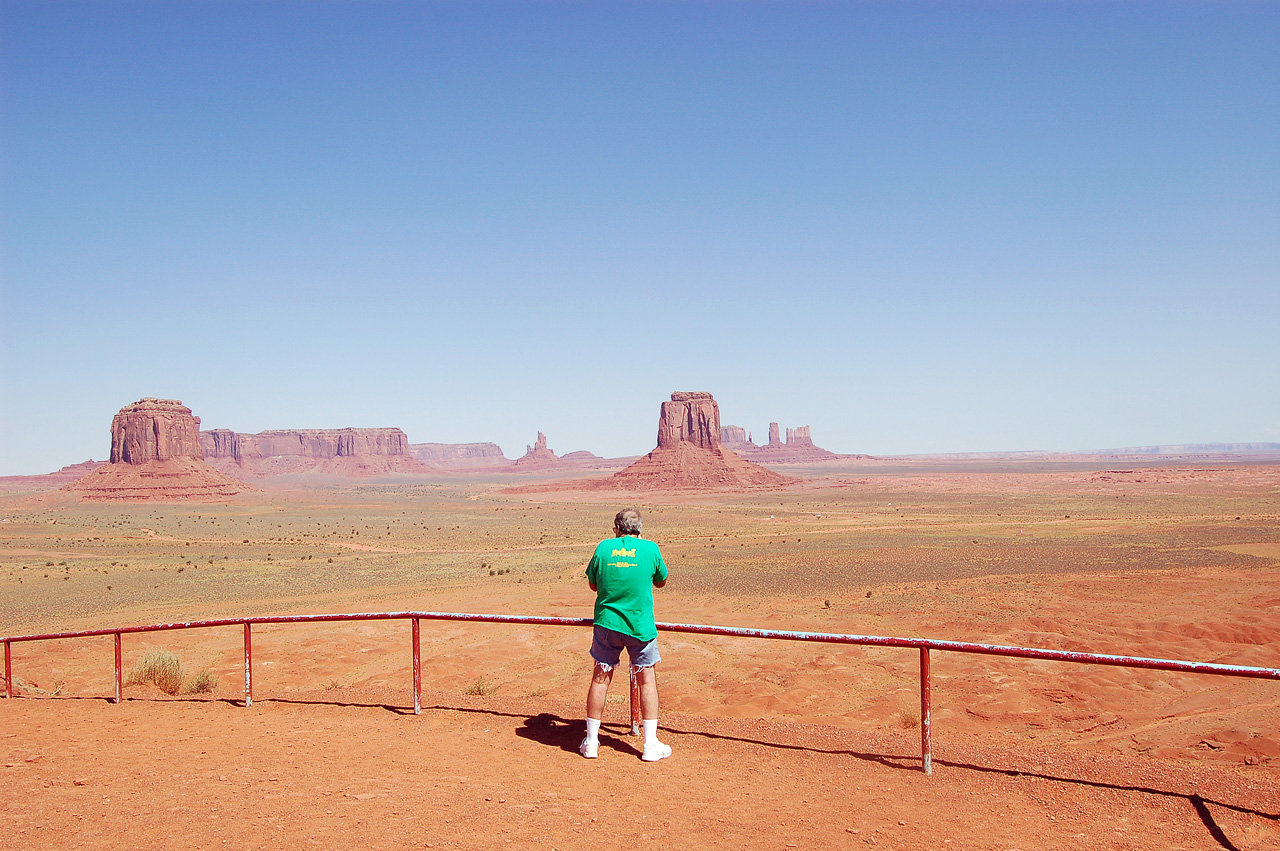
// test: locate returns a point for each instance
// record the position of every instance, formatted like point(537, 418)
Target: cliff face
point(305, 443)
point(691, 417)
point(154, 430)
point(799, 437)
point(459, 454)
point(155, 456)
point(338, 452)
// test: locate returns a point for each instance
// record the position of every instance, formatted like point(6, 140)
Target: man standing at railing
point(623, 572)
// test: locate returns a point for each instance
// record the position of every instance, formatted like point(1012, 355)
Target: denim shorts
point(606, 649)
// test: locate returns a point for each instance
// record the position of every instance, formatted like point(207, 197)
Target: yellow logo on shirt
point(624, 553)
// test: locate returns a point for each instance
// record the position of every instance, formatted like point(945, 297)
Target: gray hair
point(627, 522)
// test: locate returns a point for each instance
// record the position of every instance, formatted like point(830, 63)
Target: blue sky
point(916, 227)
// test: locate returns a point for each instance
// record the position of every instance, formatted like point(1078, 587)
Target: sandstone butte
point(334, 452)
point(798, 448)
point(690, 454)
point(538, 456)
point(155, 455)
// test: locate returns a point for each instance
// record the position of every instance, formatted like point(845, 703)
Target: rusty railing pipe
point(926, 710)
point(119, 670)
point(923, 645)
point(248, 664)
point(417, 669)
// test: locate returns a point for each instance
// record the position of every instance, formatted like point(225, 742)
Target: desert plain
point(776, 744)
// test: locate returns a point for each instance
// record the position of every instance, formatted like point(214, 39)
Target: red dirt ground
point(358, 768)
point(777, 745)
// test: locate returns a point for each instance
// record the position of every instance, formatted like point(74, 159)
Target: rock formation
point(155, 455)
point(538, 455)
point(154, 430)
point(305, 443)
point(799, 437)
point(335, 452)
point(689, 455)
point(799, 447)
point(459, 454)
point(690, 418)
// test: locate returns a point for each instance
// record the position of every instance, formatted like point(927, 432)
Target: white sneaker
point(655, 750)
point(590, 748)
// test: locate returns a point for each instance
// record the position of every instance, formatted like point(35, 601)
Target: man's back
point(623, 570)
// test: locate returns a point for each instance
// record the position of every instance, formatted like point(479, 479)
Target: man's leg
point(648, 681)
point(596, 694)
point(654, 750)
point(599, 690)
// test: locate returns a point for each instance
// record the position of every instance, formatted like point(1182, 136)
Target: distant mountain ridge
point(1190, 449)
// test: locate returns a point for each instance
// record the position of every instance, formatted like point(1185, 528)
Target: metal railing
point(923, 645)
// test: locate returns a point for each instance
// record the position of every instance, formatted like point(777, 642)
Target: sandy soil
point(776, 744)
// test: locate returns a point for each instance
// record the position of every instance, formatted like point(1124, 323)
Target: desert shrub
point(202, 683)
point(908, 714)
point(159, 667)
point(481, 687)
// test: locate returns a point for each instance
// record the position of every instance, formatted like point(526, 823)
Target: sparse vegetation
point(481, 687)
point(908, 713)
point(202, 683)
point(158, 667)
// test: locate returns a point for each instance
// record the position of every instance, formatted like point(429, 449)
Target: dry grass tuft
point(482, 687)
point(159, 667)
point(202, 683)
point(908, 713)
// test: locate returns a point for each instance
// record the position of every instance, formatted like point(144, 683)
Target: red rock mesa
point(333, 452)
point(155, 455)
point(689, 455)
point(460, 454)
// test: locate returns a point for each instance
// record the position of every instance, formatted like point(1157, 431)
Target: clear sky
point(916, 227)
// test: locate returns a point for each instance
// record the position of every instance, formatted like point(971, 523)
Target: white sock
point(593, 729)
point(650, 730)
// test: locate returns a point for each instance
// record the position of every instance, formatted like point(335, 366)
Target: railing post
point(417, 670)
point(119, 672)
point(635, 703)
point(8, 672)
point(248, 665)
point(926, 702)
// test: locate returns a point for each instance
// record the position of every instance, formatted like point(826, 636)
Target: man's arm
point(657, 583)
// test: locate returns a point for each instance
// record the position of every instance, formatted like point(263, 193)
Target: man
point(623, 572)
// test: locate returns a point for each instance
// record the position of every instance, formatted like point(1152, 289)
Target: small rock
point(81, 782)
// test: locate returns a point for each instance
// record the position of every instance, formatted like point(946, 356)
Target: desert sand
point(776, 744)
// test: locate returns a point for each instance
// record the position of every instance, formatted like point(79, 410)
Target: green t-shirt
point(623, 571)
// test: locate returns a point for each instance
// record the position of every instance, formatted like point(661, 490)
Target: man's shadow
point(554, 731)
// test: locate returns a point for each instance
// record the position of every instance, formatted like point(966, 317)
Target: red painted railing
point(924, 645)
